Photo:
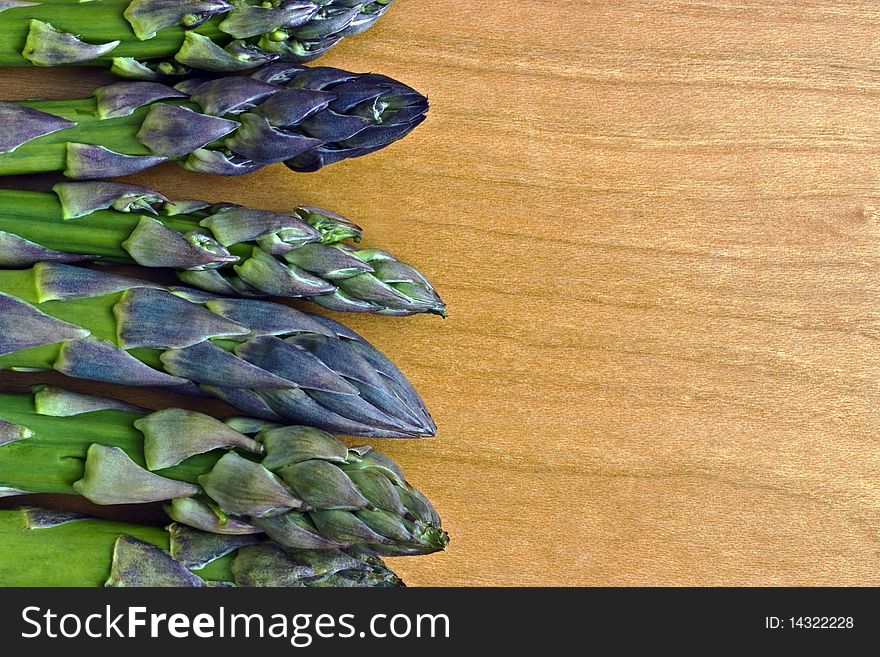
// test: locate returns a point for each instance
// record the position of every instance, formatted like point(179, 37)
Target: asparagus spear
point(67, 549)
point(269, 360)
point(225, 249)
point(301, 486)
point(304, 117)
point(148, 38)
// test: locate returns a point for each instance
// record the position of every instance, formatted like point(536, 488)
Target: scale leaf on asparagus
point(269, 360)
point(300, 486)
point(304, 117)
point(222, 248)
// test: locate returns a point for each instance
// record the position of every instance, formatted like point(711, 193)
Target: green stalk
point(76, 553)
point(101, 233)
point(99, 24)
point(92, 313)
point(53, 458)
point(49, 153)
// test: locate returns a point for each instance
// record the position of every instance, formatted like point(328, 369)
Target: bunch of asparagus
point(269, 498)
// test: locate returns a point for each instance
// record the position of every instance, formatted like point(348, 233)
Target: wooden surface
point(657, 226)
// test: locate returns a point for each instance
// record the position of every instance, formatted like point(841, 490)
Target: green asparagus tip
point(437, 537)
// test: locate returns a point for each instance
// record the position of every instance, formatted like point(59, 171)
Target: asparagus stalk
point(302, 487)
point(148, 38)
point(269, 360)
point(66, 549)
point(225, 249)
point(304, 117)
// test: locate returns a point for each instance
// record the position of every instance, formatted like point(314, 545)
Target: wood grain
point(657, 226)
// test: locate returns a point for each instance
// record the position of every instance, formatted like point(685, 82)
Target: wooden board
point(657, 226)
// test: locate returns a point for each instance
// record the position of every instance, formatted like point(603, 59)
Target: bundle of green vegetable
point(301, 486)
point(147, 38)
point(266, 500)
point(225, 249)
point(304, 117)
point(68, 549)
